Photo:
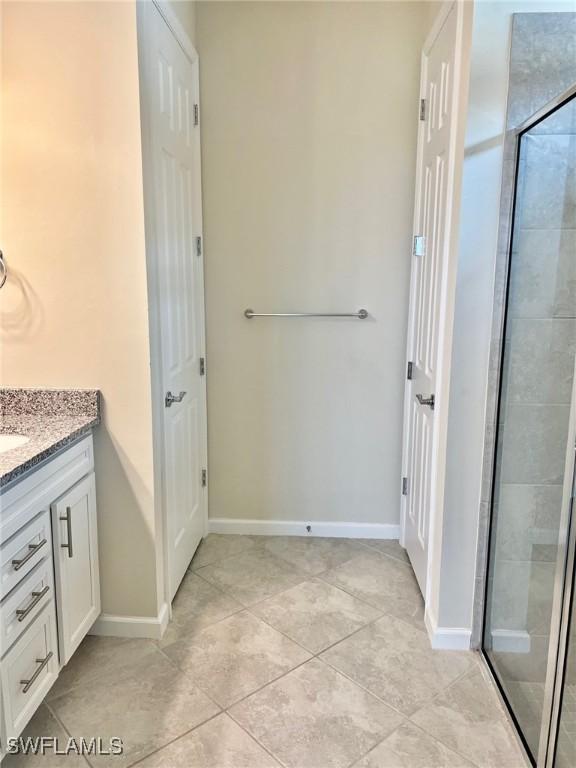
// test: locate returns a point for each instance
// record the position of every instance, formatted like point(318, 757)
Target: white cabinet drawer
point(20, 554)
point(29, 670)
point(24, 604)
point(25, 498)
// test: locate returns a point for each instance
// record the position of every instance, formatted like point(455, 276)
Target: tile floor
point(528, 700)
point(302, 653)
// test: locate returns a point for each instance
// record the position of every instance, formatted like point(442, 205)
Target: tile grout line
point(314, 577)
point(64, 728)
point(331, 645)
point(366, 690)
point(355, 683)
point(355, 632)
point(219, 559)
point(454, 682)
point(176, 738)
point(99, 675)
point(175, 666)
point(260, 546)
point(435, 738)
point(223, 711)
point(407, 719)
point(256, 741)
point(441, 693)
point(129, 764)
point(280, 632)
point(246, 606)
point(384, 554)
point(316, 654)
point(372, 605)
point(365, 754)
point(226, 708)
point(202, 628)
point(194, 683)
point(265, 685)
point(383, 701)
point(298, 571)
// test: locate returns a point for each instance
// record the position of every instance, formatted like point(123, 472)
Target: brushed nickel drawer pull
point(23, 612)
point(33, 548)
point(29, 683)
point(68, 518)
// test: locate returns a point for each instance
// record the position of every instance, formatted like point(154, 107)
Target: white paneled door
point(428, 292)
point(172, 148)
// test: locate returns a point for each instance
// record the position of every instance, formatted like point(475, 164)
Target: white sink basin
point(8, 442)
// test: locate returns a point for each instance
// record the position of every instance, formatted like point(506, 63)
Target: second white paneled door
point(429, 297)
point(172, 149)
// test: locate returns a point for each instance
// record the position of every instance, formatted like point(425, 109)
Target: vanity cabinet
point(49, 578)
point(76, 565)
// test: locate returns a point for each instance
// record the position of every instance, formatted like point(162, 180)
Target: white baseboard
point(447, 638)
point(510, 640)
point(304, 528)
point(152, 627)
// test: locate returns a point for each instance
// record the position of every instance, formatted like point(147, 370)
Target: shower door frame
point(564, 574)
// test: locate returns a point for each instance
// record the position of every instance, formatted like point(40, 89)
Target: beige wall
point(74, 311)
point(309, 119)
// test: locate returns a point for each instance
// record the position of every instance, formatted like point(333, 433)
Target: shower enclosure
point(529, 637)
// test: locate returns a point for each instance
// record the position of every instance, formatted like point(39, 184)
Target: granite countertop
point(51, 418)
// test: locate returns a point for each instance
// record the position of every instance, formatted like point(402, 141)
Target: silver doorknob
point(429, 401)
point(170, 398)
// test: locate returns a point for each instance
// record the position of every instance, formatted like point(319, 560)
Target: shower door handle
point(429, 401)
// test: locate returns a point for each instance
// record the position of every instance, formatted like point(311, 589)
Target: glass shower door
point(533, 420)
point(565, 748)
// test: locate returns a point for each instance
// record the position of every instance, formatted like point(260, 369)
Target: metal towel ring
point(3, 270)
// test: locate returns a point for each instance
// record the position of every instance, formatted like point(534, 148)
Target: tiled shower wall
point(537, 384)
point(542, 65)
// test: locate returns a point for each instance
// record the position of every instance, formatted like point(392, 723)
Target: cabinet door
point(29, 670)
point(76, 565)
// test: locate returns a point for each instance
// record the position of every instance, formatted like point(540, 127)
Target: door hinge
point(419, 245)
point(422, 109)
point(409, 371)
point(198, 245)
point(196, 114)
point(202, 366)
point(404, 486)
point(204, 478)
